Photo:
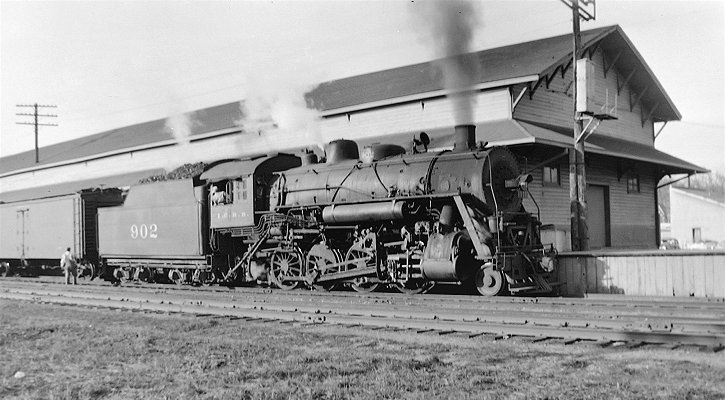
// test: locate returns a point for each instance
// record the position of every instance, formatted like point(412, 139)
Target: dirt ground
point(65, 352)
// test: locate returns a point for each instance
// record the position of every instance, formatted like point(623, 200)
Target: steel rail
point(377, 318)
point(580, 315)
point(403, 311)
point(592, 300)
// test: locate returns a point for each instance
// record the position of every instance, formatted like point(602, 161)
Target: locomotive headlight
point(520, 182)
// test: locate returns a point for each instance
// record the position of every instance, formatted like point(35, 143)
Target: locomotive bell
point(341, 150)
point(308, 158)
point(465, 138)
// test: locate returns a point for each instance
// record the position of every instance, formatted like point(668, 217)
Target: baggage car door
point(22, 231)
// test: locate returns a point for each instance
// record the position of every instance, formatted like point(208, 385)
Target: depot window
point(633, 184)
point(552, 177)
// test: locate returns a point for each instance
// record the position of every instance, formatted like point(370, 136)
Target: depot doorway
point(598, 216)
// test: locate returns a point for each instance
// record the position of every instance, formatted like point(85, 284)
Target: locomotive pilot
point(68, 264)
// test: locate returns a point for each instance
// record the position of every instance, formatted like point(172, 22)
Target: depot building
point(523, 98)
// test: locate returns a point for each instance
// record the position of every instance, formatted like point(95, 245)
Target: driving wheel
point(286, 264)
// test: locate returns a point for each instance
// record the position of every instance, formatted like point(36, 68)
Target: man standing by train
point(68, 264)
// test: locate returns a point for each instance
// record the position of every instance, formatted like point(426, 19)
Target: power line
point(35, 122)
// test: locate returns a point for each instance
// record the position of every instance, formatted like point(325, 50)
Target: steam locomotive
point(385, 217)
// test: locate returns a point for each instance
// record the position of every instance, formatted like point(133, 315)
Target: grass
point(78, 353)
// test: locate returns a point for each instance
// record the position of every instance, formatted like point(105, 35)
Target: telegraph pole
point(577, 173)
point(35, 122)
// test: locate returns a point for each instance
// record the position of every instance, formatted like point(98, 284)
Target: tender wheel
point(417, 286)
point(142, 274)
point(357, 252)
point(120, 274)
point(177, 276)
point(86, 271)
point(489, 282)
point(285, 265)
point(4, 269)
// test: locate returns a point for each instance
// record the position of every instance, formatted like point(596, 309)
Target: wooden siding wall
point(632, 215)
point(553, 201)
point(680, 273)
point(415, 116)
point(554, 105)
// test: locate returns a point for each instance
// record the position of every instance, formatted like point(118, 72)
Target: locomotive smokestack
point(465, 138)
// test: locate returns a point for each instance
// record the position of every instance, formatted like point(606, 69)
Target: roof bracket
point(637, 99)
point(611, 65)
point(551, 77)
point(625, 82)
point(566, 68)
point(536, 86)
point(689, 174)
point(647, 117)
point(586, 132)
point(624, 169)
point(660, 130)
point(518, 98)
point(592, 49)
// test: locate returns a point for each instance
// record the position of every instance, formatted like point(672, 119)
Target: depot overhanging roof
point(511, 132)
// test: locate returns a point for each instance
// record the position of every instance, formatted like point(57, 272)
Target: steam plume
point(276, 110)
point(180, 125)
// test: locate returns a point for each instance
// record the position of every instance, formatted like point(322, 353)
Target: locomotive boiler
point(407, 220)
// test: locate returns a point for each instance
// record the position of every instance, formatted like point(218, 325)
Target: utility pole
point(577, 172)
point(35, 122)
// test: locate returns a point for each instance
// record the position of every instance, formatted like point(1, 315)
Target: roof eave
point(651, 74)
point(426, 95)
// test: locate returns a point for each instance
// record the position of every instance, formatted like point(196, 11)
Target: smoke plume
point(452, 25)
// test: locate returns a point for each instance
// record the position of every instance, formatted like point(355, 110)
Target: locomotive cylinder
point(393, 210)
point(448, 258)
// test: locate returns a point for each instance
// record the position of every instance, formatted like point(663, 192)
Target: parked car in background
point(704, 245)
point(669, 244)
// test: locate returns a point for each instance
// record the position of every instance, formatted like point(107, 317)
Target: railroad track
point(605, 320)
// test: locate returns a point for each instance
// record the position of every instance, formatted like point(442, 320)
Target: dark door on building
point(598, 216)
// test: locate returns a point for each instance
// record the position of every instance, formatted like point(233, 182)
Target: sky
point(111, 64)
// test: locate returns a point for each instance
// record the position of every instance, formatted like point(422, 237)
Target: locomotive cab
point(238, 199)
